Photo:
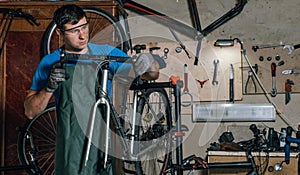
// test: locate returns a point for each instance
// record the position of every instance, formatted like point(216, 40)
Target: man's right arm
point(35, 102)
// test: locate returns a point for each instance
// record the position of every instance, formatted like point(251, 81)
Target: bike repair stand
point(177, 85)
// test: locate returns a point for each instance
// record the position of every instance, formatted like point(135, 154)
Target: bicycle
point(8, 15)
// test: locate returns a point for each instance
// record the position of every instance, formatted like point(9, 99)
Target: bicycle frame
point(179, 26)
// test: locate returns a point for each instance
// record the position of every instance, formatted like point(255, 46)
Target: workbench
point(274, 157)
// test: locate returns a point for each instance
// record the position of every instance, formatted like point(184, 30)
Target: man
point(50, 79)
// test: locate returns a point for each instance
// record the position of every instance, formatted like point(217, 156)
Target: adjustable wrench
point(215, 81)
point(273, 70)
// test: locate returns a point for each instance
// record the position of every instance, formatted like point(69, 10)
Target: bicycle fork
point(101, 101)
point(133, 121)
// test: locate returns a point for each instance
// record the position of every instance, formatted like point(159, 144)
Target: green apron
point(77, 96)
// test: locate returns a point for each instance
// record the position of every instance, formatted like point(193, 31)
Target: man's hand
point(58, 74)
point(142, 62)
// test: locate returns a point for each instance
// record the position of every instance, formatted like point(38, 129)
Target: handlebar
point(69, 58)
point(19, 13)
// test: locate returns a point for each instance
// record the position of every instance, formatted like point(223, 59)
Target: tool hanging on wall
point(166, 51)
point(291, 48)
point(269, 58)
point(280, 63)
point(139, 47)
point(186, 89)
point(273, 72)
point(288, 90)
point(231, 83)
point(255, 48)
point(180, 43)
point(153, 48)
point(201, 82)
point(290, 71)
point(250, 77)
point(277, 57)
point(216, 64)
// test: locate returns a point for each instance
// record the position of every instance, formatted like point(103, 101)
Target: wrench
point(215, 81)
point(273, 70)
point(186, 89)
point(255, 48)
point(291, 48)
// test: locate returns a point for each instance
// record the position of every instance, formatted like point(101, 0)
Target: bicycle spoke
point(43, 132)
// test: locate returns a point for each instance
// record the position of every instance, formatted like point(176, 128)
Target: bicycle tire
point(112, 32)
point(43, 131)
point(153, 129)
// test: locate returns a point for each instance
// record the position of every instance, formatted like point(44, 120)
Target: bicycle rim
point(153, 129)
point(103, 29)
point(43, 130)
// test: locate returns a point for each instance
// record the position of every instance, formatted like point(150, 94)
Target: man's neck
point(77, 51)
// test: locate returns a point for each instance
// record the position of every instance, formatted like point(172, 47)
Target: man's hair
point(68, 14)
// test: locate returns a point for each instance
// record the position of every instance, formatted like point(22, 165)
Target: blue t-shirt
point(42, 72)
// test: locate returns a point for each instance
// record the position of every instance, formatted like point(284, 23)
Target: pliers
point(291, 71)
point(250, 76)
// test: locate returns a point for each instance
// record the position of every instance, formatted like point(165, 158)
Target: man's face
point(76, 36)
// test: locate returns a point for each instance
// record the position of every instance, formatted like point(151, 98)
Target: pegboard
point(204, 70)
point(264, 58)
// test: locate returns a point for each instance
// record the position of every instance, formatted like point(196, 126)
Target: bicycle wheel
point(43, 131)
point(103, 29)
point(153, 130)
